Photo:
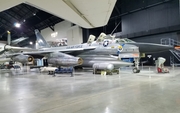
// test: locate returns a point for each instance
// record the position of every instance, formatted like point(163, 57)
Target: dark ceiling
point(32, 18)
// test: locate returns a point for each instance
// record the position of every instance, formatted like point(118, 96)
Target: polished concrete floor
point(87, 93)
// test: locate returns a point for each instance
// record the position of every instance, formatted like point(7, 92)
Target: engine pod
point(30, 59)
point(104, 66)
point(65, 61)
point(23, 58)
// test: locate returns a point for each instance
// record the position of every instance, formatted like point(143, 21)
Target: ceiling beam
point(16, 19)
point(117, 10)
point(5, 24)
point(23, 20)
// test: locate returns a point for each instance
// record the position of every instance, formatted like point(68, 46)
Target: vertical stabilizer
point(40, 40)
point(8, 37)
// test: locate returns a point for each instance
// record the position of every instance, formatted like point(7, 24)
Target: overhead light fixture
point(8, 32)
point(34, 14)
point(24, 20)
point(54, 34)
point(17, 25)
point(31, 43)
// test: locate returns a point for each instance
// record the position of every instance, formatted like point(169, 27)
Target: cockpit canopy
point(102, 37)
point(124, 40)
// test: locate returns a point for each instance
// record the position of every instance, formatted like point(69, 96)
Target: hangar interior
point(139, 21)
point(141, 25)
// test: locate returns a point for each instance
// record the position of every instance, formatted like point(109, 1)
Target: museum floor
point(35, 92)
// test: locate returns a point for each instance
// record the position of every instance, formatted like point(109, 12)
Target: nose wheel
point(136, 70)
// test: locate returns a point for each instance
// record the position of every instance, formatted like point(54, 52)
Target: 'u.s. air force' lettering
point(75, 46)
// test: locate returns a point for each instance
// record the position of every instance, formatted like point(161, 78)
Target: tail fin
point(8, 38)
point(40, 40)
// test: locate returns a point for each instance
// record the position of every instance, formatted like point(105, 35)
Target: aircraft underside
point(117, 63)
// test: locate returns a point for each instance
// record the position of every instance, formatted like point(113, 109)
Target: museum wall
point(74, 35)
point(150, 21)
point(159, 16)
point(156, 38)
point(61, 34)
point(61, 28)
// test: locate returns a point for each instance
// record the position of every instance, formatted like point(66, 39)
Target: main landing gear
point(136, 69)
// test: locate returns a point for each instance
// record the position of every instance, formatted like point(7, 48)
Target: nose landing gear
point(136, 69)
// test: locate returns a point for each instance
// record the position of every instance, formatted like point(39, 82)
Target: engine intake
point(30, 59)
point(80, 61)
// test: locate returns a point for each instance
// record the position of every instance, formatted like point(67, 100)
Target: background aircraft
point(146, 47)
point(7, 48)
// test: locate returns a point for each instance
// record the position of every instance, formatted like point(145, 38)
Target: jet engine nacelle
point(65, 61)
point(105, 66)
point(23, 58)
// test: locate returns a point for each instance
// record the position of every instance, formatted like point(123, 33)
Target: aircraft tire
point(135, 70)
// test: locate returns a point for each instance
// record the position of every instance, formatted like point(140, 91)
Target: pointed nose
point(154, 48)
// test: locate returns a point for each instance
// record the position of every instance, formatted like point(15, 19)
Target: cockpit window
point(120, 40)
point(109, 37)
point(128, 40)
point(125, 40)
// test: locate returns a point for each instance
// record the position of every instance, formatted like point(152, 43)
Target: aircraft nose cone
point(153, 48)
point(163, 48)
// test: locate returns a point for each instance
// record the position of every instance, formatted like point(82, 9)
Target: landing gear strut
point(136, 69)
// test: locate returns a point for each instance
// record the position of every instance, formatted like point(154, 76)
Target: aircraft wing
point(7, 47)
point(49, 50)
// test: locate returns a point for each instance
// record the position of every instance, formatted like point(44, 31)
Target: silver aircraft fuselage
point(102, 53)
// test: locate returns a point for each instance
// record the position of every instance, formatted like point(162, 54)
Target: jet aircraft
point(103, 52)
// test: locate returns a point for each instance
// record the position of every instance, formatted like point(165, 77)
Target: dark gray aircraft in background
point(104, 53)
point(146, 47)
